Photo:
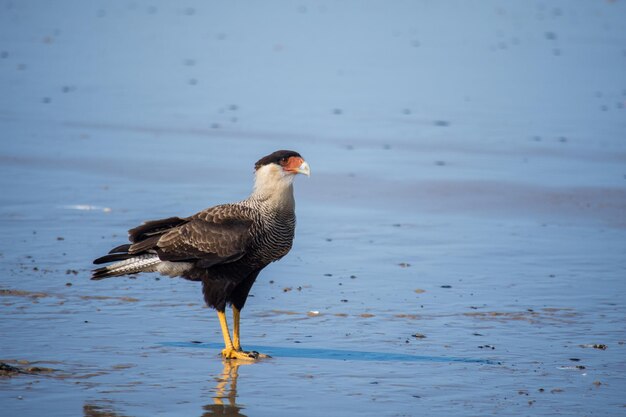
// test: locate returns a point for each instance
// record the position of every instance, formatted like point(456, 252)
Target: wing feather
point(217, 235)
point(154, 227)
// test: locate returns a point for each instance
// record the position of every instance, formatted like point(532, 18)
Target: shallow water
point(460, 246)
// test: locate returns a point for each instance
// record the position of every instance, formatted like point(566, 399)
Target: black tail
point(102, 273)
point(119, 253)
point(139, 255)
point(129, 264)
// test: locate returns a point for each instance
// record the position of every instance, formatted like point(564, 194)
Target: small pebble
point(550, 36)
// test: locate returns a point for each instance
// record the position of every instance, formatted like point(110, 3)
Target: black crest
point(275, 158)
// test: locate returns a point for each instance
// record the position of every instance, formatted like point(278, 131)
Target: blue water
point(335, 354)
point(468, 184)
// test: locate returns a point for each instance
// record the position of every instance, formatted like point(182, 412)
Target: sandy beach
point(461, 242)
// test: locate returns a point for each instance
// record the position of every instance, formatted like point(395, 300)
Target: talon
point(257, 355)
point(240, 354)
point(232, 348)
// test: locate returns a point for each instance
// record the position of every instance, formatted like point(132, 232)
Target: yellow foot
point(231, 353)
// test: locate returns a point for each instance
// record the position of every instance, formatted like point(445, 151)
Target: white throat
point(272, 185)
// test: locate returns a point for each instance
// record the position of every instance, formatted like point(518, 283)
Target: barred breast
point(273, 232)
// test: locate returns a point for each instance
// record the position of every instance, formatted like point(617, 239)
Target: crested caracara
point(224, 247)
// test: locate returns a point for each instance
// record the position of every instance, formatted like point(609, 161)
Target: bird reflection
point(224, 401)
point(98, 410)
point(224, 398)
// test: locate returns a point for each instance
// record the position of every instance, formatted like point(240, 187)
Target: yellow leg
point(225, 332)
point(236, 339)
point(233, 351)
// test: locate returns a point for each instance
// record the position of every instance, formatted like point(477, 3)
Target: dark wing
point(143, 238)
point(217, 235)
point(153, 228)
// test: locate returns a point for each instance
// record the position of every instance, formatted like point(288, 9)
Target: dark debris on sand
point(7, 370)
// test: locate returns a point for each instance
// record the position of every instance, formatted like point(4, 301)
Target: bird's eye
point(283, 161)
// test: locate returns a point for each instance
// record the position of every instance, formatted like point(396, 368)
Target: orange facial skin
point(292, 164)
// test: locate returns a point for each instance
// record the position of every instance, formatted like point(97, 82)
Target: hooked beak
point(296, 165)
point(304, 169)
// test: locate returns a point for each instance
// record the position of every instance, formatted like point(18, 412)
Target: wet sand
point(454, 255)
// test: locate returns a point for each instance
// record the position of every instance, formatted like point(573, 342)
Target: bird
point(224, 247)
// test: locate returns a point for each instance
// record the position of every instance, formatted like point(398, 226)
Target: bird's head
point(283, 163)
point(279, 169)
